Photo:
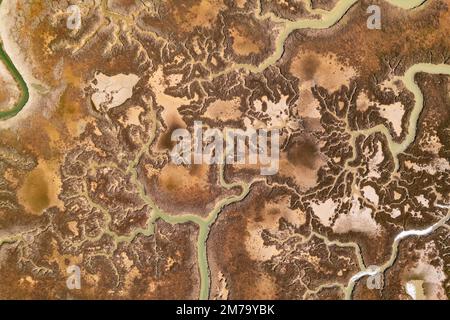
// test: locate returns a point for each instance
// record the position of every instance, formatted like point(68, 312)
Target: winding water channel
point(374, 270)
point(329, 18)
point(24, 94)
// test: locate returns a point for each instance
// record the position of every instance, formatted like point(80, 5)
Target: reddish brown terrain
point(87, 179)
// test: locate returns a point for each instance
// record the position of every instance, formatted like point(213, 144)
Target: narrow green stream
point(24, 96)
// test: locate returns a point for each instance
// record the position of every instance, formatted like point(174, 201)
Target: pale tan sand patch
point(325, 211)
point(278, 113)
point(414, 288)
point(73, 227)
point(256, 249)
point(224, 110)
point(169, 103)
point(423, 201)
point(435, 166)
point(112, 91)
point(41, 188)
point(370, 193)
point(363, 102)
point(308, 106)
point(223, 291)
point(394, 114)
point(240, 3)
point(132, 116)
point(242, 44)
point(430, 142)
point(375, 161)
point(359, 219)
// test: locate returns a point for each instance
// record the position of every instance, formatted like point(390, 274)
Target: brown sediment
point(243, 44)
point(80, 185)
point(40, 188)
point(165, 141)
point(185, 189)
point(304, 153)
point(195, 13)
